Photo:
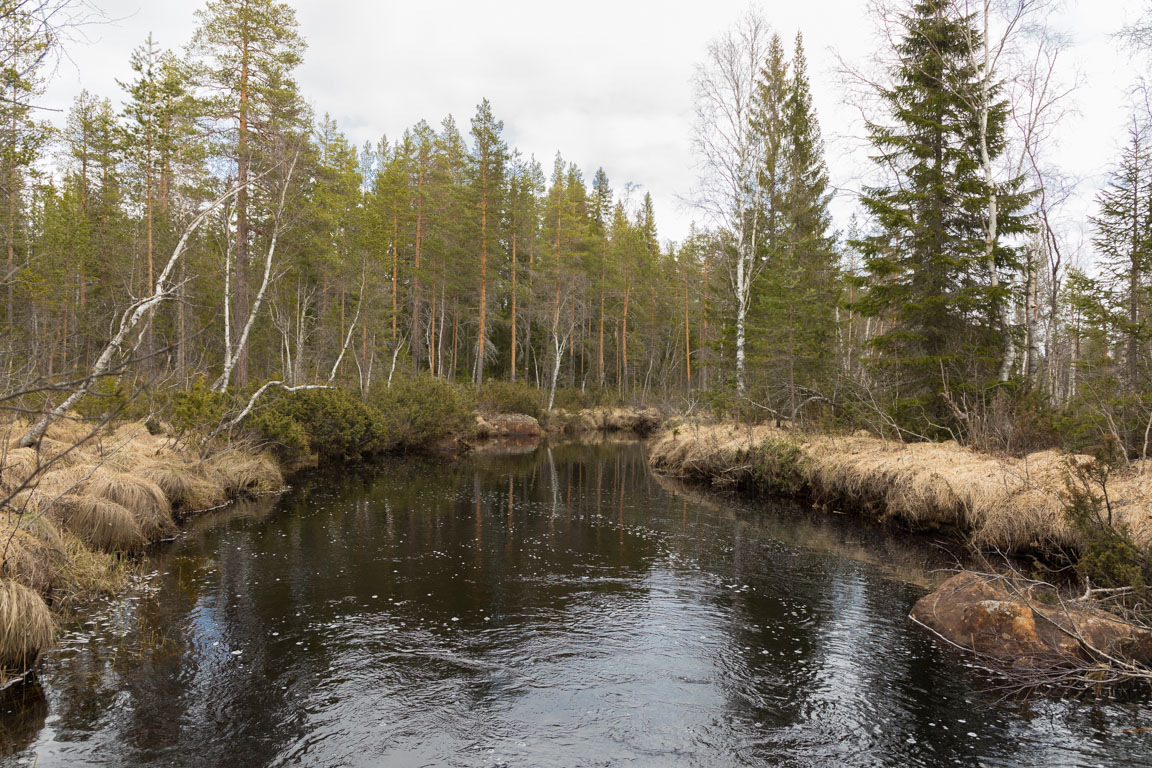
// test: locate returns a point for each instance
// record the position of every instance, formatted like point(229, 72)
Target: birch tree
point(729, 153)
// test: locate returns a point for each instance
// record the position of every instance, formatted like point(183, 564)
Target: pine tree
point(525, 187)
point(106, 263)
point(451, 266)
point(21, 83)
point(489, 158)
point(601, 216)
point(247, 51)
point(155, 134)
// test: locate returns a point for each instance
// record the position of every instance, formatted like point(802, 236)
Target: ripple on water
point(537, 610)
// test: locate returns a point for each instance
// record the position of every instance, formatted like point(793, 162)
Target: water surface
point(556, 607)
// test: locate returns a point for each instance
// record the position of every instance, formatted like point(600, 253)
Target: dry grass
point(100, 523)
point(67, 532)
point(30, 551)
point(142, 497)
point(92, 571)
point(26, 625)
point(184, 484)
point(47, 450)
point(70, 429)
point(244, 474)
point(1006, 503)
point(16, 466)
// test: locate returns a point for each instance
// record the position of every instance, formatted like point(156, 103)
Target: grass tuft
point(26, 626)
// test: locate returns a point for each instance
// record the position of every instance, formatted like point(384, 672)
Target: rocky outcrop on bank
point(502, 426)
point(1028, 626)
point(642, 421)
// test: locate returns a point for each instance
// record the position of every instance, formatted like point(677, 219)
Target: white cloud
point(606, 82)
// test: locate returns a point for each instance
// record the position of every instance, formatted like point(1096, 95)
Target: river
point(557, 606)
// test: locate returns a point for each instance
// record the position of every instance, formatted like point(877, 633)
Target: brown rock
point(515, 425)
point(991, 618)
point(501, 425)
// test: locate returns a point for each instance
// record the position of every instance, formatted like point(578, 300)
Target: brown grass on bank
point(26, 626)
point(184, 484)
point(1006, 503)
point(30, 551)
point(67, 529)
point(140, 496)
point(70, 429)
point(16, 465)
point(242, 474)
point(100, 523)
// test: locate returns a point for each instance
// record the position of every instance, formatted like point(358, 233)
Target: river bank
point(83, 502)
point(1002, 503)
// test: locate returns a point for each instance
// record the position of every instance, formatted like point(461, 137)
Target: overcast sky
point(605, 82)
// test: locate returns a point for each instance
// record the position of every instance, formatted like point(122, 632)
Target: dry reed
point(99, 523)
point(1001, 502)
point(26, 626)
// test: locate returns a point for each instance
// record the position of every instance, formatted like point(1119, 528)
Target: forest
point(209, 288)
point(203, 230)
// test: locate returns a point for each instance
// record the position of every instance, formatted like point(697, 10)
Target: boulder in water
point(992, 617)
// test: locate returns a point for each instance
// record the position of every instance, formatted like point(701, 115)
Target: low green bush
point(1109, 556)
point(778, 467)
point(506, 397)
point(726, 405)
point(576, 399)
point(197, 409)
point(332, 423)
point(418, 412)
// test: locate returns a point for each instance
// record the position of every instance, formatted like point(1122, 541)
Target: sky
point(608, 83)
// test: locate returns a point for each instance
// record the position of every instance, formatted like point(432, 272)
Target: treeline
point(954, 305)
point(441, 251)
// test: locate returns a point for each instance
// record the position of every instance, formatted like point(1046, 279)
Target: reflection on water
point(560, 607)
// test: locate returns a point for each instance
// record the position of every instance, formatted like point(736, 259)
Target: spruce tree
point(927, 274)
point(1123, 238)
point(798, 291)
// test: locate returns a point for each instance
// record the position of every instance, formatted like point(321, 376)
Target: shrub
point(576, 399)
point(778, 467)
point(728, 406)
point(328, 422)
point(506, 397)
point(197, 408)
point(418, 412)
point(1109, 555)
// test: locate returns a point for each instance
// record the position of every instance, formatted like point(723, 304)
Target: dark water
point(556, 608)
